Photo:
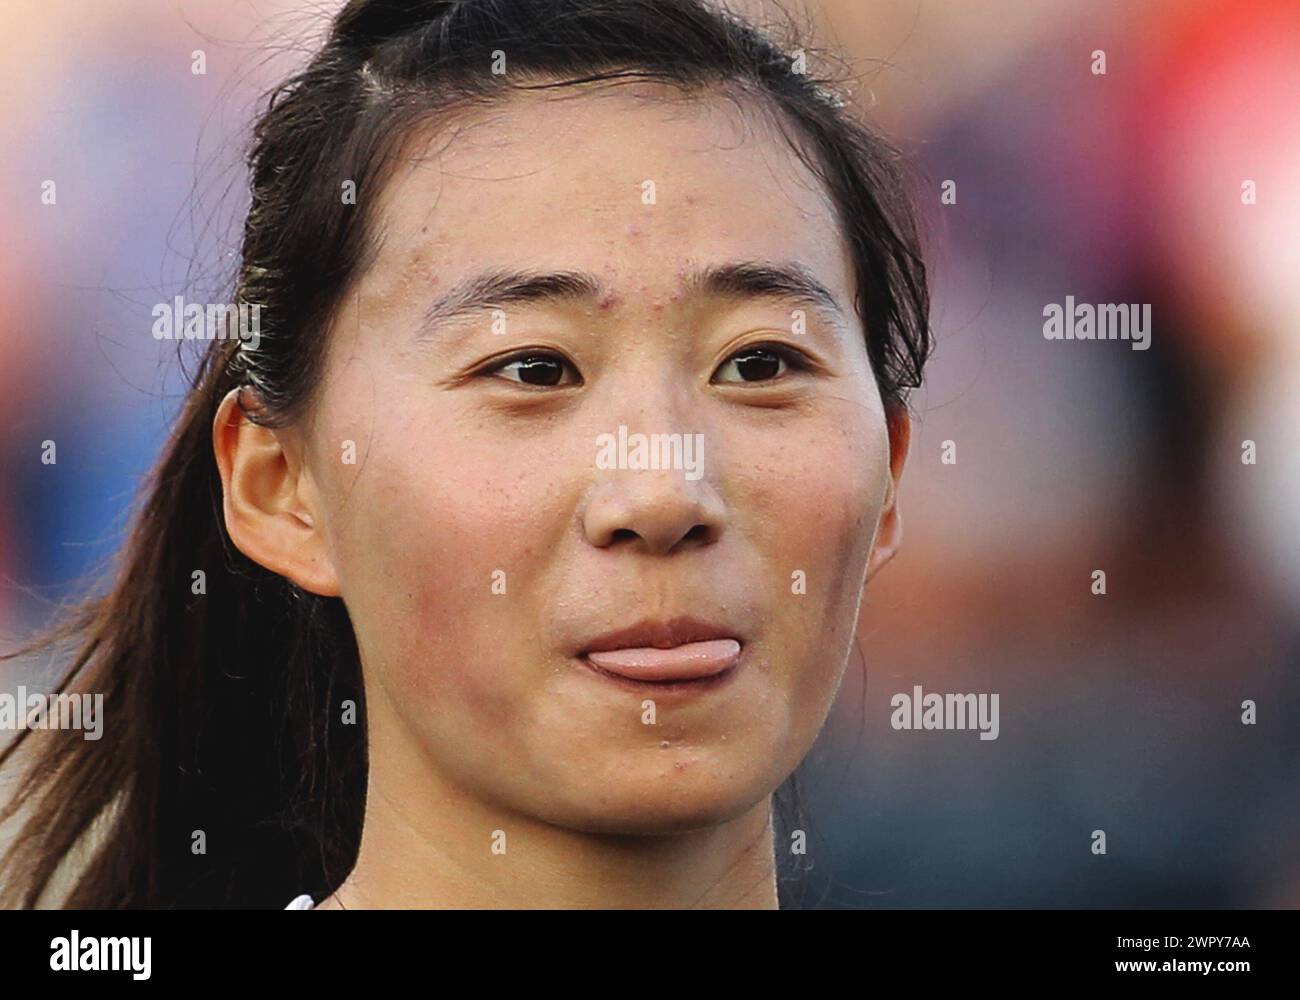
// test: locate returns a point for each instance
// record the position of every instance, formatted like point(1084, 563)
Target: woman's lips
point(687, 662)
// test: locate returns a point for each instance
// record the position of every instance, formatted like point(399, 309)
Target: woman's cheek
point(814, 499)
point(438, 561)
point(815, 502)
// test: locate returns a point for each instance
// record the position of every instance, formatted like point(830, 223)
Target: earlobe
point(889, 532)
point(263, 502)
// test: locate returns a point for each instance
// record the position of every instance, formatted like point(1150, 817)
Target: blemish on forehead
point(660, 302)
point(609, 300)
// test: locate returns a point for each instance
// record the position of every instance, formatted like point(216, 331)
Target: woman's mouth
point(691, 661)
point(681, 653)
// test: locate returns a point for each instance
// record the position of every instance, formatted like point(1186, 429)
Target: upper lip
point(660, 634)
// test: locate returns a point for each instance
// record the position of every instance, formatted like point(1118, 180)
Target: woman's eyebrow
point(789, 281)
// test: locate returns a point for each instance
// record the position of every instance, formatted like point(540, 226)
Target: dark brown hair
point(227, 703)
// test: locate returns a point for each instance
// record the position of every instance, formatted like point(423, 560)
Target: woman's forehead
point(614, 186)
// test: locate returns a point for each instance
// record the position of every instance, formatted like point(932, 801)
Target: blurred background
point(1120, 712)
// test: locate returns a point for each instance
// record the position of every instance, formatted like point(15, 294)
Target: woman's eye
point(760, 363)
point(534, 368)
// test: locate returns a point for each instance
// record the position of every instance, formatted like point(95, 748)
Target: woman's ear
point(889, 533)
point(267, 500)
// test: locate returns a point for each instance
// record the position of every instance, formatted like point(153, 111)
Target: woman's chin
point(677, 802)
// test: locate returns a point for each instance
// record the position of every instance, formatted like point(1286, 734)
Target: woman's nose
point(654, 492)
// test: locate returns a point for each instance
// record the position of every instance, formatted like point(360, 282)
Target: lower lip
point(691, 664)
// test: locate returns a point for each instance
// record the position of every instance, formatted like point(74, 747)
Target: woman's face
point(470, 519)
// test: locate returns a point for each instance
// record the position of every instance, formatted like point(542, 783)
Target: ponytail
point(224, 761)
